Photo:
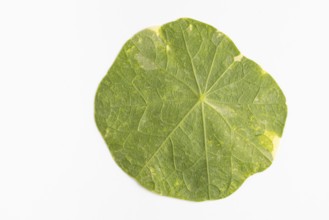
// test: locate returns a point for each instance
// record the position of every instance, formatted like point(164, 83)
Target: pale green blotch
point(155, 29)
point(186, 114)
point(275, 139)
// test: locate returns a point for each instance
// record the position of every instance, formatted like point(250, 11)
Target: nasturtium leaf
point(186, 114)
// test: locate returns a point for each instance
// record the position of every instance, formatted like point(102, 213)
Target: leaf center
point(202, 97)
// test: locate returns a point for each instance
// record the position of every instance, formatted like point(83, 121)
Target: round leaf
point(186, 114)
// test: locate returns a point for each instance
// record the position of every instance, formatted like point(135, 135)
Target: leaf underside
point(186, 115)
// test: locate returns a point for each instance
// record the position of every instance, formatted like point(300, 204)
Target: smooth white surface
point(54, 163)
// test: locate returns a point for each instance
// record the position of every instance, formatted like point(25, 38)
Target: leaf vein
point(221, 76)
point(205, 146)
point(212, 64)
point(189, 55)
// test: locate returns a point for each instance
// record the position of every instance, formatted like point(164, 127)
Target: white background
point(54, 163)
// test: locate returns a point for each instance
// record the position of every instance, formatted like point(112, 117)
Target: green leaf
point(186, 114)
